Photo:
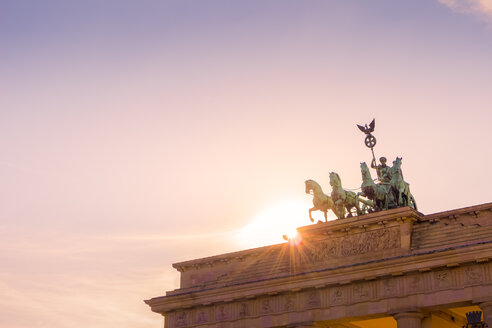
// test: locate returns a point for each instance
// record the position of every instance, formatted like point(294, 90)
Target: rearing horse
point(321, 201)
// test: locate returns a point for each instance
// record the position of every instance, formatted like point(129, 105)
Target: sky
point(137, 134)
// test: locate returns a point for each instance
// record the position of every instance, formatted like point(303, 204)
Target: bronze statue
point(375, 192)
point(391, 192)
point(345, 199)
point(383, 170)
point(370, 140)
point(400, 188)
point(321, 201)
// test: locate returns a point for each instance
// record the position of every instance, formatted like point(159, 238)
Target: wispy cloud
point(45, 275)
point(479, 8)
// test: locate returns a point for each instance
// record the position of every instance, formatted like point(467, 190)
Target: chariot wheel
point(370, 141)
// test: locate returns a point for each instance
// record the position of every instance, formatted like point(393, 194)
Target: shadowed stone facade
point(396, 268)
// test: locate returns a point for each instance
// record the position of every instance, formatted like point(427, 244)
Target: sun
point(268, 226)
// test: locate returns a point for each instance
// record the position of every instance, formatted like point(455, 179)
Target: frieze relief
point(356, 244)
point(313, 299)
point(389, 287)
point(181, 319)
point(289, 302)
point(222, 312)
point(244, 310)
point(414, 283)
point(267, 305)
point(473, 275)
point(443, 279)
point(338, 295)
point(361, 292)
point(202, 316)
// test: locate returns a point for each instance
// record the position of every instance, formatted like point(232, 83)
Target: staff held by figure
point(382, 170)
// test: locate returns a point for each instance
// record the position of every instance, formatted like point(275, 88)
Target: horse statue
point(345, 199)
point(400, 188)
point(321, 201)
point(375, 192)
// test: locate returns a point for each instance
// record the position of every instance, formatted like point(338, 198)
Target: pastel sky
point(136, 134)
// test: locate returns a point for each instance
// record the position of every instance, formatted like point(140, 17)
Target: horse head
point(397, 162)
point(311, 185)
point(334, 179)
point(365, 171)
point(308, 186)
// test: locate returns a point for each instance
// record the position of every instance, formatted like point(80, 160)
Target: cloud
point(47, 274)
point(479, 8)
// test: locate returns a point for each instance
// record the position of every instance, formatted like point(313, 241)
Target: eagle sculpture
point(366, 129)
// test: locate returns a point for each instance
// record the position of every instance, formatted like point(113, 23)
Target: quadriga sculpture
point(321, 201)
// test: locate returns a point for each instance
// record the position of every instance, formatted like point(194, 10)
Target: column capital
point(486, 308)
point(409, 319)
point(486, 304)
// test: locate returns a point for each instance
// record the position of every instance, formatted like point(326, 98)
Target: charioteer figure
point(383, 170)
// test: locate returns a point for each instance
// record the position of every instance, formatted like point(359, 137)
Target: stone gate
point(395, 268)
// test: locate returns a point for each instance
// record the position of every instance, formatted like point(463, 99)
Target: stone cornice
point(342, 275)
point(223, 258)
point(454, 214)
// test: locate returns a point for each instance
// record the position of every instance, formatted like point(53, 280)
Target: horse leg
point(412, 202)
point(348, 207)
point(339, 211)
point(357, 207)
point(310, 216)
point(326, 216)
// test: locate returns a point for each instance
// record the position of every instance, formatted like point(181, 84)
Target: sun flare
point(268, 226)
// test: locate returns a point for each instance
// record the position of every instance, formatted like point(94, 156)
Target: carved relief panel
point(361, 292)
point(355, 244)
point(414, 283)
point(389, 287)
point(312, 299)
point(268, 305)
point(289, 302)
point(202, 316)
point(223, 312)
point(338, 296)
point(181, 319)
point(443, 279)
point(473, 275)
point(244, 309)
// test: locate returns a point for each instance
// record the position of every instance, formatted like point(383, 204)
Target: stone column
point(408, 319)
point(486, 308)
point(427, 321)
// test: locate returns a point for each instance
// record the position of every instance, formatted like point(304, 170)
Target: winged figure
point(366, 129)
